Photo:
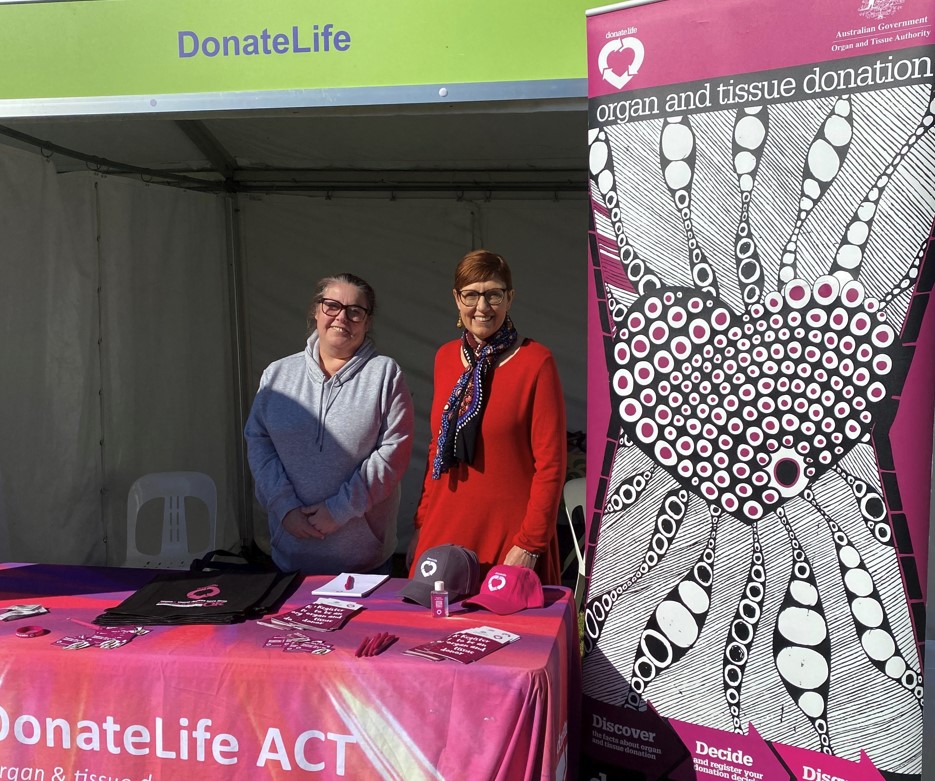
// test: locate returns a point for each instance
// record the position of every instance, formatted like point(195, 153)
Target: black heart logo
point(748, 410)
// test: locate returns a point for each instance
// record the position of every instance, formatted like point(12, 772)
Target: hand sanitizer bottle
point(439, 600)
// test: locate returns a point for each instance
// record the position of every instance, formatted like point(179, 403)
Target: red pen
point(83, 623)
point(387, 641)
point(349, 583)
point(377, 642)
point(362, 646)
point(371, 644)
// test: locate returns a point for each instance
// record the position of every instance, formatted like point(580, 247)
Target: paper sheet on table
point(361, 585)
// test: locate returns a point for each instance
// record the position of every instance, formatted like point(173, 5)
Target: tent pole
point(240, 366)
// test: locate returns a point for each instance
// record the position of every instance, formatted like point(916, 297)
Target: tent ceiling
point(523, 146)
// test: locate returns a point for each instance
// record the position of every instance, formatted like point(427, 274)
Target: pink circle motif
point(882, 336)
point(860, 324)
point(623, 382)
point(676, 317)
point(700, 331)
point(640, 346)
point(648, 431)
point(205, 592)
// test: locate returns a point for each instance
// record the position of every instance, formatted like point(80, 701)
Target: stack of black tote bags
point(213, 592)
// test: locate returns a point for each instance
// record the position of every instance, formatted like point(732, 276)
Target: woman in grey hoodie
point(329, 439)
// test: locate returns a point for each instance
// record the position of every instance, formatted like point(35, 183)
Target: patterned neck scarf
point(462, 414)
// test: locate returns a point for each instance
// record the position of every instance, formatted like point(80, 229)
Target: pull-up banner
point(761, 388)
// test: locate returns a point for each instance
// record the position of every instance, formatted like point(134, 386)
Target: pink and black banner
point(761, 384)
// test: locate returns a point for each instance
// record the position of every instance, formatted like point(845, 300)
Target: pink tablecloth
point(211, 702)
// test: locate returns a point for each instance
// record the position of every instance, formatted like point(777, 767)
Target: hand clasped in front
point(313, 522)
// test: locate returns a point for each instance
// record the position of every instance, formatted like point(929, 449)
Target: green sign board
point(110, 48)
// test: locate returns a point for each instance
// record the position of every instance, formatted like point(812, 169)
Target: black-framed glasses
point(494, 296)
point(332, 308)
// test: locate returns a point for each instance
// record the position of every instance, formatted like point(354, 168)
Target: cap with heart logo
point(509, 589)
point(454, 564)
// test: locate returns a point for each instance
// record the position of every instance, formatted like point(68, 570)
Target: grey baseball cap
point(454, 564)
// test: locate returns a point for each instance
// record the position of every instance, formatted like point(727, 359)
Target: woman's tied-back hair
point(345, 278)
point(480, 265)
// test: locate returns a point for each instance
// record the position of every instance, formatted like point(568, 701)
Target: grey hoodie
point(344, 440)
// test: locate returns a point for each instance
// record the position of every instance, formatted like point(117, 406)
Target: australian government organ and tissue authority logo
point(879, 9)
point(883, 33)
point(302, 40)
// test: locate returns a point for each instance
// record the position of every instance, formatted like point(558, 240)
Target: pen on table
point(376, 645)
point(83, 623)
point(349, 583)
point(366, 645)
point(362, 646)
point(374, 641)
point(386, 643)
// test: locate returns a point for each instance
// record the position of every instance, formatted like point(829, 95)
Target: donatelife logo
point(429, 567)
point(616, 76)
point(496, 582)
point(199, 597)
point(204, 592)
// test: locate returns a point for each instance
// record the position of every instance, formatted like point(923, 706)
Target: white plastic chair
point(574, 496)
point(173, 488)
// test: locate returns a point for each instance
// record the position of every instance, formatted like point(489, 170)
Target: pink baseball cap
point(509, 589)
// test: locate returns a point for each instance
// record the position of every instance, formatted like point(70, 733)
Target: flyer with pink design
point(466, 645)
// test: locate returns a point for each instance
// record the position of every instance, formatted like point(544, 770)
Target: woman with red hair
point(496, 462)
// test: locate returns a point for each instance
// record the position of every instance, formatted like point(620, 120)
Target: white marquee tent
point(152, 267)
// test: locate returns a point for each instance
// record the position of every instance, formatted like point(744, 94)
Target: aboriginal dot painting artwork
point(762, 267)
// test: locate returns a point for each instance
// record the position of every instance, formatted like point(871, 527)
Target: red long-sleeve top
point(510, 494)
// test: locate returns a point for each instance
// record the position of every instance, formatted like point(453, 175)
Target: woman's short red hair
point(480, 265)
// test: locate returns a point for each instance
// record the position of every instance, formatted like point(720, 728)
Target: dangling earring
point(459, 324)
